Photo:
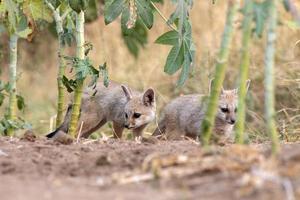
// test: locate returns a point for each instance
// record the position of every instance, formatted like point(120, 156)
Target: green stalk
point(244, 70)
point(12, 107)
point(269, 76)
point(61, 68)
point(209, 120)
point(60, 85)
point(78, 91)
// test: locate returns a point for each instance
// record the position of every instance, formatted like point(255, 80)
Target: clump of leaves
point(5, 123)
point(137, 17)
point(183, 48)
point(16, 124)
point(84, 68)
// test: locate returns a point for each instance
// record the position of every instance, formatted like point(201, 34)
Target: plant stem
point(61, 67)
point(244, 70)
point(78, 91)
point(269, 76)
point(209, 120)
point(61, 70)
point(163, 17)
point(12, 107)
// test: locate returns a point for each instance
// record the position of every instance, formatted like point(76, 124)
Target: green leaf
point(13, 11)
point(174, 59)
point(144, 11)
point(158, 1)
point(261, 10)
point(286, 5)
point(1, 85)
point(1, 98)
point(91, 12)
point(69, 84)
point(7, 87)
point(2, 128)
point(22, 27)
point(112, 9)
point(104, 74)
point(189, 54)
point(82, 68)
point(55, 3)
point(185, 71)
point(168, 38)
point(67, 38)
point(134, 37)
point(180, 15)
point(94, 74)
point(37, 10)
point(20, 102)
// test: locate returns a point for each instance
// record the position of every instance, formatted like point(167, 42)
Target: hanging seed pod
point(78, 5)
point(132, 14)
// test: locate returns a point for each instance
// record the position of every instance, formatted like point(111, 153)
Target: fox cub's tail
point(64, 126)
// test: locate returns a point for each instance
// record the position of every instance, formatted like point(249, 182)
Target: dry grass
point(37, 64)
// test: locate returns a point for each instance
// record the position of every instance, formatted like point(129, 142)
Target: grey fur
point(183, 116)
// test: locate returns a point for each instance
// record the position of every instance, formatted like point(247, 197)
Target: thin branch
point(49, 5)
point(163, 17)
point(64, 15)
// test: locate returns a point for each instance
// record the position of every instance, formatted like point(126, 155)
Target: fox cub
point(116, 103)
point(183, 116)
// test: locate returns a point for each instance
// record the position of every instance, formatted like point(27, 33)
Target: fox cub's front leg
point(138, 131)
point(118, 130)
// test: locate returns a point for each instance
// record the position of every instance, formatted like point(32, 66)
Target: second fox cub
point(183, 116)
point(116, 103)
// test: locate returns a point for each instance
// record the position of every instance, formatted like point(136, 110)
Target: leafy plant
point(14, 17)
point(60, 11)
point(137, 15)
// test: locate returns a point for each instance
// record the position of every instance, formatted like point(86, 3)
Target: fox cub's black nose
point(126, 126)
point(232, 121)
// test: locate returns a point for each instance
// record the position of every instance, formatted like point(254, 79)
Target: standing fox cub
point(183, 116)
point(116, 103)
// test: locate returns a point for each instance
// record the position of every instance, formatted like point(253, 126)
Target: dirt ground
point(122, 169)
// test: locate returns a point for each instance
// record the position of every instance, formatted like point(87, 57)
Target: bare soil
point(37, 169)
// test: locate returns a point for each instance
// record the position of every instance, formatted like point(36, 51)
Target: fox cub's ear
point(248, 84)
point(149, 97)
point(127, 92)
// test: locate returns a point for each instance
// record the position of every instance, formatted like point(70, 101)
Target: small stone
point(102, 160)
point(29, 136)
point(2, 153)
point(62, 138)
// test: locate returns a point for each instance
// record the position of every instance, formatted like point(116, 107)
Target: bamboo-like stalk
point(78, 91)
point(60, 85)
point(62, 65)
point(12, 107)
point(269, 75)
point(209, 120)
point(244, 70)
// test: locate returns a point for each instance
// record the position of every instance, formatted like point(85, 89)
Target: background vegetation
point(38, 67)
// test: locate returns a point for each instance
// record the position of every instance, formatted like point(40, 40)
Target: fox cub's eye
point(224, 110)
point(136, 115)
point(235, 110)
point(126, 116)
